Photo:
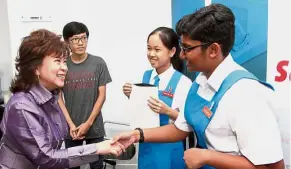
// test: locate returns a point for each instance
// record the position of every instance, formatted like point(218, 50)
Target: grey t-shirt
point(81, 91)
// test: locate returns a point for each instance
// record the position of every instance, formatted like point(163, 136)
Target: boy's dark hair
point(74, 28)
point(213, 23)
point(170, 39)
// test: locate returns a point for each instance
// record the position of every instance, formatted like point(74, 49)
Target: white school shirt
point(245, 119)
point(182, 89)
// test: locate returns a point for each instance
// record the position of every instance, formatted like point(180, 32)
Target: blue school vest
point(162, 155)
point(195, 104)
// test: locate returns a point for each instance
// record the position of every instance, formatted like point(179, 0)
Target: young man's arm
point(84, 127)
point(167, 133)
point(67, 116)
point(98, 105)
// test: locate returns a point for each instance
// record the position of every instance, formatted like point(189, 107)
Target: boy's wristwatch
point(141, 137)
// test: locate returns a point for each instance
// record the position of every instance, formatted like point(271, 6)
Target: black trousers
point(95, 165)
point(191, 141)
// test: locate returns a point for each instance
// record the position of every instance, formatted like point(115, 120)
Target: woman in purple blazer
point(33, 125)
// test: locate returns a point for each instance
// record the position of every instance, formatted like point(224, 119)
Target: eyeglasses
point(77, 40)
point(187, 49)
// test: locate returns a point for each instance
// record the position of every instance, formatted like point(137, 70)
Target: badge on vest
point(207, 111)
point(168, 93)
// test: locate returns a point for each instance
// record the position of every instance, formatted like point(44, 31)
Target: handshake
point(118, 144)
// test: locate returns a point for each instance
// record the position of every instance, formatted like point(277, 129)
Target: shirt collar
point(165, 74)
point(42, 95)
point(227, 66)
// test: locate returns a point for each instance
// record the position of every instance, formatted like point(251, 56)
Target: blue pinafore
point(162, 155)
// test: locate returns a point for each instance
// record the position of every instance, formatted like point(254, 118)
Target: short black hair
point(74, 28)
point(213, 23)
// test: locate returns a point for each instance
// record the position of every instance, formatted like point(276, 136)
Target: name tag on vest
point(168, 94)
point(207, 112)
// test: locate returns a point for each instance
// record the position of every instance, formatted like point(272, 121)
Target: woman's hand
point(109, 147)
point(127, 88)
point(158, 106)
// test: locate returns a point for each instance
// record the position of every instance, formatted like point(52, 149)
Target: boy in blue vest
point(231, 112)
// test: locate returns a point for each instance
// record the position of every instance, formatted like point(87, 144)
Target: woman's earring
point(38, 77)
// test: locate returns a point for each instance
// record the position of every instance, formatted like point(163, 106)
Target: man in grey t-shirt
point(84, 90)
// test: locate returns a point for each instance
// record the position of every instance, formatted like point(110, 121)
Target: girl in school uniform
point(163, 54)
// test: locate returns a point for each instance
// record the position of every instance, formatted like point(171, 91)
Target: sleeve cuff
point(81, 155)
point(183, 126)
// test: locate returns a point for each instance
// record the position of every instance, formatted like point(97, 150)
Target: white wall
point(118, 33)
point(278, 50)
point(5, 56)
